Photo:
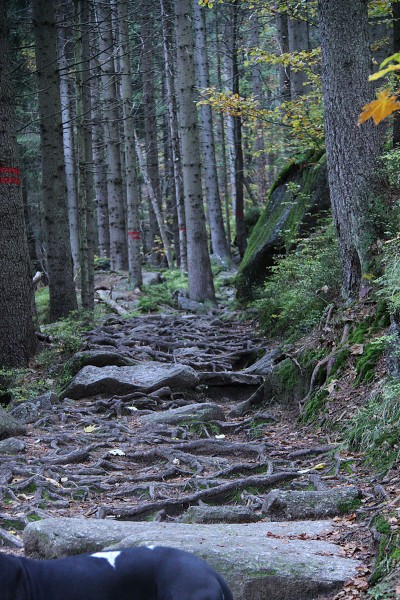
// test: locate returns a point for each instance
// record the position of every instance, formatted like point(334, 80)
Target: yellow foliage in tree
point(377, 110)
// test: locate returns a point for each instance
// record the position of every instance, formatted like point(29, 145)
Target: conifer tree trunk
point(201, 285)
point(218, 238)
point(112, 142)
point(260, 158)
point(85, 155)
point(59, 259)
point(17, 339)
point(352, 151)
point(99, 165)
point(132, 191)
point(174, 135)
point(150, 125)
point(64, 47)
point(298, 40)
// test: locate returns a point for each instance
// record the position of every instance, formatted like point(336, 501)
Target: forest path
point(97, 457)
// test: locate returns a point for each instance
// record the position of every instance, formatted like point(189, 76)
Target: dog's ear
point(14, 584)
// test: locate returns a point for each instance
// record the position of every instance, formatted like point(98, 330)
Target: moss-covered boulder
point(297, 199)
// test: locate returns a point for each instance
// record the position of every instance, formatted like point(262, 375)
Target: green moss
point(340, 360)
point(349, 506)
point(388, 555)
point(287, 207)
point(365, 365)
point(314, 406)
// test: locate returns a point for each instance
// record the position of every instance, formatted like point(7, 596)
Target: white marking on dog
point(110, 557)
point(150, 547)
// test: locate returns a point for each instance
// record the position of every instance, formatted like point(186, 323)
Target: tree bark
point(112, 142)
point(298, 41)
point(201, 286)
point(132, 191)
point(150, 125)
point(352, 151)
point(17, 340)
point(173, 130)
point(64, 50)
point(85, 155)
point(59, 259)
point(218, 238)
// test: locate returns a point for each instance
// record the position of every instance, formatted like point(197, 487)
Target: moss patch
point(296, 199)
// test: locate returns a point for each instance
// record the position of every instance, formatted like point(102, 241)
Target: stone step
point(258, 560)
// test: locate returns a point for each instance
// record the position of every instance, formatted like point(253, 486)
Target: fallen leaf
point(90, 428)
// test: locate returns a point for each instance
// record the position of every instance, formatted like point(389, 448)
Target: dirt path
point(95, 458)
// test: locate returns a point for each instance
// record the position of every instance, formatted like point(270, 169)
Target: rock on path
point(259, 560)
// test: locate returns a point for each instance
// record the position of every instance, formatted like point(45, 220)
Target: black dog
point(142, 573)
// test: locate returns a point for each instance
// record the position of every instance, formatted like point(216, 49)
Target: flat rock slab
point(259, 560)
point(234, 386)
point(145, 377)
point(194, 413)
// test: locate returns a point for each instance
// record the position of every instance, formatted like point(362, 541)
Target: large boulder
point(145, 377)
point(258, 560)
point(9, 426)
point(298, 198)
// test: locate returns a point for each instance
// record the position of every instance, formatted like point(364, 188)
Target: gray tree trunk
point(59, 259)
point(258, 92)
point(150, 123)
point(99, 165)
point(352, 151)
point(201, 286)
point(112, 142)
point(298, 41)
point(132, 189)
point(173, 130)
point(283, 44)
point(156, 207)
point(85, 155)
point(63, 39)
point(17, 340)
point(218, 237)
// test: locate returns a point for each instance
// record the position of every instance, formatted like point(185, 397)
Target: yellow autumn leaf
point(385, 104)
point(383, 72)
point(319, 466)
point(90, 428)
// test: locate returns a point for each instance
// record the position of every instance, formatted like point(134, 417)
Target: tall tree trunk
point(173, 129)
point(150, 121)
point(201, 285)
point(59, 259)
point(298, 41)
point(237, 122)
point(99, 165)
point(352, 151)
point(218, 238)
point(17, 340)
point(283, 44)
point(85, 155)
point(112, 142)
point(260, 156)
point(63, 39)
point(156, 207)
point(132, 189)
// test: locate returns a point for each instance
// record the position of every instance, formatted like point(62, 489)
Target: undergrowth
point(165, 293)
point(375, 429)
point(301, 284)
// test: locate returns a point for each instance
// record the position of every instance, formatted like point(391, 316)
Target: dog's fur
point(141, 573)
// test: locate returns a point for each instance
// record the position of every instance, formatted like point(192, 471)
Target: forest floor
point(94, 458)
